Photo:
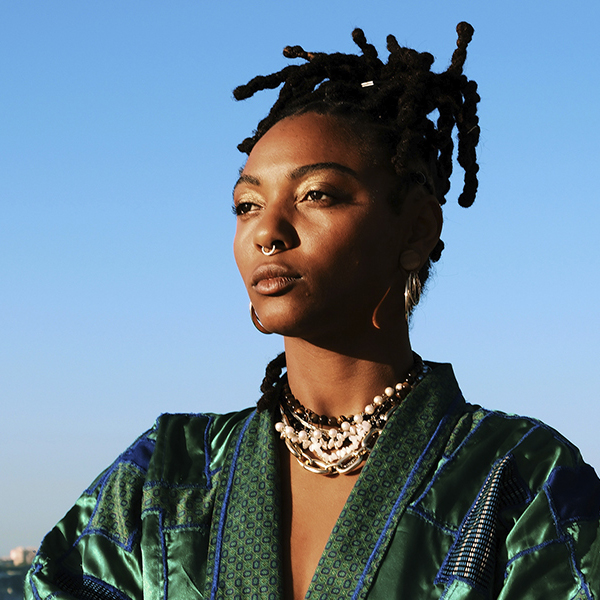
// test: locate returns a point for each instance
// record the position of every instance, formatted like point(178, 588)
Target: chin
point(285, 327)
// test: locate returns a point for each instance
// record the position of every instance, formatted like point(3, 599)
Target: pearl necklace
point(331, 446)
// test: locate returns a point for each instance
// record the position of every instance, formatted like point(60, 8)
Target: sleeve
point(533, 528)
point(94, 551)
point(554, 547)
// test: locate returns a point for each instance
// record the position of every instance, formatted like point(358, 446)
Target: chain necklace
point(330, 445)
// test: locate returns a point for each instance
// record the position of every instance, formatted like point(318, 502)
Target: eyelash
point(243, 208)
point(323, 195)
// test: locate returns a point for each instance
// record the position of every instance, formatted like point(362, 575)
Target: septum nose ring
point(270, 251)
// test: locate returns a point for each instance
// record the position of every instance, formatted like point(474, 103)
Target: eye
point(243, 208)
point(319, 196)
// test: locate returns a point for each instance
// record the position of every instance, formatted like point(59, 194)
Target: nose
point(275, 230)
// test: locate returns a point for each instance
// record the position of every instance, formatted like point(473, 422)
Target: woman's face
point(310, 189)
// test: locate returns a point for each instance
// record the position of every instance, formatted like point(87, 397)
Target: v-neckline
point(246, 534)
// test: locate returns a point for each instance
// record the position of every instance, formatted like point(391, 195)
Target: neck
point(338, 382)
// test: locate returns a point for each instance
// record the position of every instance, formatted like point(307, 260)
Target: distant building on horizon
point(12, 572)
point(22, 555)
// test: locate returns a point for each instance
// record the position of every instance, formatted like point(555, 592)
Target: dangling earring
point(256, 321)
point(412, 293)
point(374, 318)
point(410, 261)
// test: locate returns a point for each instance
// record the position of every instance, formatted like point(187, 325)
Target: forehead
point(308, 139)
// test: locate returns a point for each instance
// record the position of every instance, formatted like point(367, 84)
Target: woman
point(363, 472)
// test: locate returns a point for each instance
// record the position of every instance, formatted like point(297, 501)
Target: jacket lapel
point(245, 548)
point(408, 449)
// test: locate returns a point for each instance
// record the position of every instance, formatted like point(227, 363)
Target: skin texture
point(313, 190)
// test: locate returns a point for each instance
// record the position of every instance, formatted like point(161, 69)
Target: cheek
point(240, 253)
point(352, 262)
point(370, 257)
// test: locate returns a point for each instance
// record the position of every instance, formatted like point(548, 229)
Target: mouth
point(270, 280)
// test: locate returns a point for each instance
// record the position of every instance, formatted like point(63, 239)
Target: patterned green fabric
point(247, 512)
point(455, 502)
point(120, 510)
point(383, 490)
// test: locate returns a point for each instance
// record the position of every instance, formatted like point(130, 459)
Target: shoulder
point(526, 454)
point(179, 450)
point(208, 426)
point(480, 437)
point(482, 442)
point(191, 446)
point(518, 465)
point(166, 475)
point(486, 445)
point(514, 493)
point(483, 437)
point(181, 438)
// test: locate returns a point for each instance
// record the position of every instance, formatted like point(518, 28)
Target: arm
point(554, 547)
point(94, 551)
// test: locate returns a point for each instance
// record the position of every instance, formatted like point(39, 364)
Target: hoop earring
point(256, 321)
point(412, 293)
point(374, 318)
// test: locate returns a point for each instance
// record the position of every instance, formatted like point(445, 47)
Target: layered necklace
point(330, 445)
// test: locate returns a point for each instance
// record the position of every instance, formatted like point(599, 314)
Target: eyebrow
point(300, 172)
point(322, 166)
point(246, 179)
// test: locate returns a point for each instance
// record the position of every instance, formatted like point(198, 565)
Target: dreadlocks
point(399, 95)
point(410, 109)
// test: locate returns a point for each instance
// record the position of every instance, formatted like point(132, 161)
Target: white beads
point(341, 448)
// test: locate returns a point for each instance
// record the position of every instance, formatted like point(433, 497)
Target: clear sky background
point(119, 297)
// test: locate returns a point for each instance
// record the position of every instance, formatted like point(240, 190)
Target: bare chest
point(311, 506)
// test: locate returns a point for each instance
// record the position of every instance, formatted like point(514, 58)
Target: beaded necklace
point(330, 445)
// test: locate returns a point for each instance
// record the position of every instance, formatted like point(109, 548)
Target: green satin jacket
point(455, 502)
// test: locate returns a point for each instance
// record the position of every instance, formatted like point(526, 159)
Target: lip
point(270, 280)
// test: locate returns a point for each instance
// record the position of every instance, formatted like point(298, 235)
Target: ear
point(424, 226)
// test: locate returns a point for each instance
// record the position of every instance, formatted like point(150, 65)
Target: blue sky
point(119, 297)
